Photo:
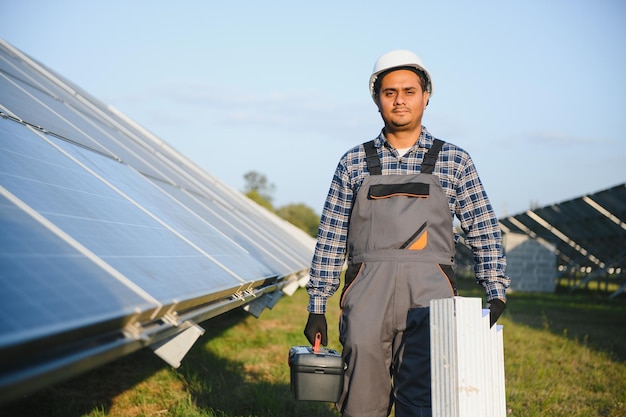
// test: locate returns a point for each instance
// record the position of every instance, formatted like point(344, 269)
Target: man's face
point(401, 101)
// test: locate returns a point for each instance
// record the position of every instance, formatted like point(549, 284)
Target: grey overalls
point(400, 256)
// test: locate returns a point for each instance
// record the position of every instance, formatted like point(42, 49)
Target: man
point(390, 210)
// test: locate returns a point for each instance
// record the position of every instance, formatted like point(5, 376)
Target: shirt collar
point(424, 141)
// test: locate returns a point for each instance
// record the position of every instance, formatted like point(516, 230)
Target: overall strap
point(373, 162)
point(428, 164)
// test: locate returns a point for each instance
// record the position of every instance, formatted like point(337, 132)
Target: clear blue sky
point(535, 90)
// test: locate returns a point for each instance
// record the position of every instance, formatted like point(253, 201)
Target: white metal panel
point(467, 360)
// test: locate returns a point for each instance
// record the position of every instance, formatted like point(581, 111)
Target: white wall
point(531, 263)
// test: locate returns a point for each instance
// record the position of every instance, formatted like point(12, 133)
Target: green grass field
point(565, 355)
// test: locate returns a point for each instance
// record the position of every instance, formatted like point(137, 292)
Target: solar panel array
point(589, 231)
point(109, 238)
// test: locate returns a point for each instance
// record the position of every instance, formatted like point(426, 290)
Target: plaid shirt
point(467, 200)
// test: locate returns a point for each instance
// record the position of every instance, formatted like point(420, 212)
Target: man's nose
point(400, 99)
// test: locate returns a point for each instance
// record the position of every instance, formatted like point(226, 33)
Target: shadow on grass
point(218, 387)
point(590, 318)
point(93, 390)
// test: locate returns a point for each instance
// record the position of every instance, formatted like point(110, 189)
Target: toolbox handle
point(318, 340)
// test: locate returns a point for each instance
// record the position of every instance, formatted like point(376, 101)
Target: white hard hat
point(399, 58)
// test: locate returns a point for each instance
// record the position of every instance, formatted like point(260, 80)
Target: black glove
point(316, 324)
point(496, 308)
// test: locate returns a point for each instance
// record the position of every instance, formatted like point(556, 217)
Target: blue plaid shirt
point(467, 200)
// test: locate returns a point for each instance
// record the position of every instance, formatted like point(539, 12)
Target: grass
point(565, 355)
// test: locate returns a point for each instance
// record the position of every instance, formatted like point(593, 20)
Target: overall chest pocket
point(411, 189)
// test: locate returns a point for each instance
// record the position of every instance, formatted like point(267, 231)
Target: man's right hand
point(316, 324)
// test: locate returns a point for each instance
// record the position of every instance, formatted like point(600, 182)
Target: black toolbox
point(316, 376)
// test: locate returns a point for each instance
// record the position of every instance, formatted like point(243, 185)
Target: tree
point(258, 189)
point(302, 216)
point(258, 184)
point(259, 199)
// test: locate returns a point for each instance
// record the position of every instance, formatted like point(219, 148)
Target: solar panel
point(49, 286)
point(110, 239)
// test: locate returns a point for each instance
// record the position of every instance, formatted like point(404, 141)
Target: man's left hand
point(496, 308)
